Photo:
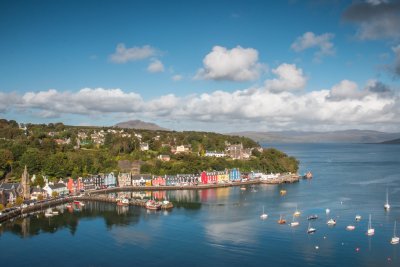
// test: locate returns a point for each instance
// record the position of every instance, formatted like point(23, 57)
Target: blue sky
point(202, 65)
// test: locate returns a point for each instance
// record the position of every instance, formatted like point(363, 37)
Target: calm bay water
point(221, 227)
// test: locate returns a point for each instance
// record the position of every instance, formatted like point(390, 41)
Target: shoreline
point(92, 195)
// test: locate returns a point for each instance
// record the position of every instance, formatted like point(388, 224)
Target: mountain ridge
point(142, 125)
point(343, 136)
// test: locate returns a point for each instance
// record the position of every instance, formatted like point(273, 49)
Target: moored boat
point(294, 223)
point(350, 227)
point(312, 217)
point(370, 231)
point(387, 205)
point(282, 192)
point(263, 216)
point(297, 212)
point(308, 175)
point(310, 230)
point(395, 239)
point(331, 222)
point(153, 205)
point(281, 220)
point(123, 202)
point(358, 218)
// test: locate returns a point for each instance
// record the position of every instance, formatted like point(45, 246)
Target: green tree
point(54, 194)
point(19, 201)
point(1, 207)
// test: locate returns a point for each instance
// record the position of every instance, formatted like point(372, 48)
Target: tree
point(19, 201)
point(54, 194)
point(40, 197)
point(1, 207)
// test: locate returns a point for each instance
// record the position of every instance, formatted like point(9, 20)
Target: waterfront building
point(170, 180)
point(60, 188)
point(138, 180)
point(158, 181)
point(209, 177)
point(222, 177)
point(36, 192)
point(88, 183)
point(98, 181)
point(234, 175)
point(9, 192)
point(110, 180)
point(147, 179)
point(124, 179)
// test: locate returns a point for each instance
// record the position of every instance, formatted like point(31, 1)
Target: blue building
point(234, 175)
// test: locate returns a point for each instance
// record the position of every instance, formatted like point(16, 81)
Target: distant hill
point(138, 124)
point(395, 141)
point(347, 136)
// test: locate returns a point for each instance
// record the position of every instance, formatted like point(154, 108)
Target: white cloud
point(289, 78)
point(177, 77)
point(343, 106)
point(124, 55)
point(345, 89)
point(155, 66)
point(237, 64)
point(310, 40)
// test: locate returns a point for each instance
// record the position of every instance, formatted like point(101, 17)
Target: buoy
point(357, 249)
point(316, 247)
point(327, 211)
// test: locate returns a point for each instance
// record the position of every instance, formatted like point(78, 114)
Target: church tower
point(26, 189)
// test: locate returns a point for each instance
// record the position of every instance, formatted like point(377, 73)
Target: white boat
point(263, 216)
point(310, 230)
point(358, 218)
point(55, 212)
point(294, 223)
point(387, 205)
point(370, 231)
point(395, 239)
point(350, 227)
point(297, 212)
point(48, 213)
point(331, 222)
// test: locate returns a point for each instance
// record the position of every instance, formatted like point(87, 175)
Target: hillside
point(347, 136)
point(395, 141)
point(59, 151)
point(138, 124)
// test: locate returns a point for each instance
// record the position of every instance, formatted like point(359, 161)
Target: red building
point(159, 181)
point(209, 177)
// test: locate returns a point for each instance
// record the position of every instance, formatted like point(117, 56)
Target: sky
point(222, 66)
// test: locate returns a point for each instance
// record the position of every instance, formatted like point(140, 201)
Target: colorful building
point(234, 175)
point(159, 181)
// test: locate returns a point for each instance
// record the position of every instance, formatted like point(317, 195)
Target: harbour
point(224, 223)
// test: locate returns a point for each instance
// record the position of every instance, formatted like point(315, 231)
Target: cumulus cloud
point(236, 64)
point(155, 66)
point(177, 77)
point(343, 105)
point(310, 40)
point(124, 55)
point(349, 90)
point(376, 19)
point(289, 77)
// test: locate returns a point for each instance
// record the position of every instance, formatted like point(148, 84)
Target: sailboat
point(294, 223)
point(395, 239)
point(281, 220)
point(387, 206)
point(263, 216)
point(310, 230)
point(297, 212)
point(371, 231)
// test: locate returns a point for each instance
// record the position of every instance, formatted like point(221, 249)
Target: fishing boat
point(310, 230)
point(358, 218)
point(294, 223)
point(263, 216)
point(312, 217)
point(387, 205)
point(331, 222)
point(370, 231)
point(153, 205)
point(395, 239)
point(281, 220)
point(297, 212)
point(282, 192)
point(55, 212)
point(48, 213)
point(350, 227)
point(243, 188)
